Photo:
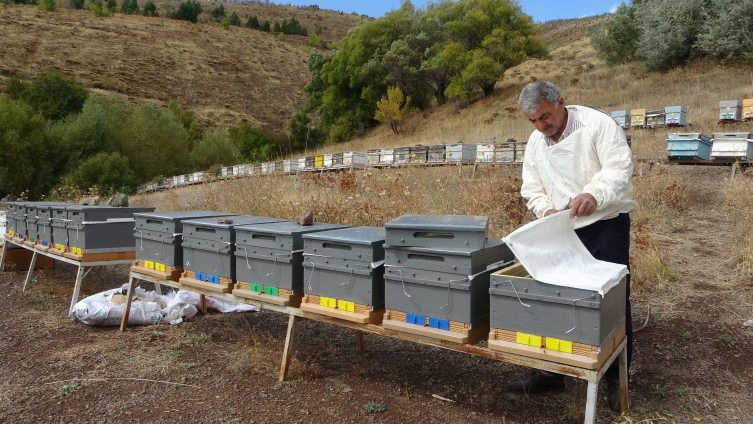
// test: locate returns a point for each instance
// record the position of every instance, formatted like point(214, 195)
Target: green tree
point(668, 42)
point(218, 13)
point(252, 143)
point(392, 108)
point(109, 172)
point(112, 6)
point(253, 22)
point(77, 4)
point(727, 34)
point(314, 40)
point(55, 95)
point(187, 11)
point(48, 5)
point(225, 24)
point(302, 135)
point(98, 10)
point(150, 9)
point(615, 38)
point(234, 19)
point(129, 7)
point(215, 149)
point(15, 88)
point(281, 36)
point(276, 27)
point(265, 26)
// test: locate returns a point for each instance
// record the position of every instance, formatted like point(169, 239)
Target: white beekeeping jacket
point(594, 159)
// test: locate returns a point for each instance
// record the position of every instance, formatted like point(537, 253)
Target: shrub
point(616, 38)
point(314, 40)
point(112, 6)
point(253, 22)
point(234, 19)
point(15, 88)
point(98, 10)
point(218, 13)
point(129, 7)
point(48, 5)
point(281, 37)
point(276, 27)
point(265, 26)
point(77, 4)
point(109, 172)
point(225, 24)
point(252, 143)
point(187, 11)
point(150, 9)
point(666, 43)
point(55, 95)
point(726, 36)
point(215, 149)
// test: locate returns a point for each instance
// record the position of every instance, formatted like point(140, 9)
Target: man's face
point(550, 119)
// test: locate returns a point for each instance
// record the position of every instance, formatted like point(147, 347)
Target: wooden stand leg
point(31, 270)
point(2, 259)
point(203, 304)
point(127, 307)
point(624, 403)
point(77, 288)
point(288, 351)
point(158, 289)
point(359, 341)
point(592, 394)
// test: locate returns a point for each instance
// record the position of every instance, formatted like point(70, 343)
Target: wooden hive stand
point(458, 333)
point(340, 309)
point(189, 278)
point(170, 273)
point(284, 297)
point(81, 255)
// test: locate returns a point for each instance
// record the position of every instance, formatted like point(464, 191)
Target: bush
point(225, 24)
point(281, 37)
point(77, 4)
point(253, 22)
point(252, 143)
point(15, 88)
point(187, 11)
point(150, 9)
point(129, 7)
point(215, 149)
point(265, 26)
point(48, 5)
point(314, 40)
point(616, 38)
point(109, 172)
point(727, 36)
point(112, 6)
point(98, 10)
point(218, 13)
point(234, 19)
point(55, 95)
point(666, 43)
point(276, 27)
point(293, 27)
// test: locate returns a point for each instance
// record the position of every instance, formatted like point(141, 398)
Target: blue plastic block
point(433, 322)
point(44, 243)
point(420, 320)
point(444, 324)
point(410, 318)
point(201, 276)
point(214, 279)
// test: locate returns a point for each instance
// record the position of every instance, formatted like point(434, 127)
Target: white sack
point(99, 310)
point(223, 306)
point(552, 253)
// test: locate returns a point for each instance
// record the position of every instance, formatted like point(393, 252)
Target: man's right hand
point(550, 212)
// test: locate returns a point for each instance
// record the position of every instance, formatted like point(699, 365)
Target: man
point(578, 158)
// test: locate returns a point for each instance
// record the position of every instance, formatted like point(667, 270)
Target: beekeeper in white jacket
point(578, 158)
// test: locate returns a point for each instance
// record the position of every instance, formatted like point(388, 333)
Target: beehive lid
point(732, 136)
point(355, 235)
point(181, 215)
point(288, 228)
point(638, 111)
point(620, 113)
point(730, 103)
point(237, 220)
point(439, 223)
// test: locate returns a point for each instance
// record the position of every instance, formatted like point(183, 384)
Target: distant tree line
point(668, 33)
point(449, 49)
point(54, 134)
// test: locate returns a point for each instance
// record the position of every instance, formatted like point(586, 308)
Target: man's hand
point(582, 205)
point(550, 212)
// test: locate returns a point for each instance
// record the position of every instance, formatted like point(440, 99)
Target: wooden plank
point(173, 274)
point(472, 336)
point(226, 288)
point(288, 349)
point(359, 341)
point(311, 304)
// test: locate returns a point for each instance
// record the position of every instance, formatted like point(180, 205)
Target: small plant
point(314, 40)
point(681, 391)
point(725, 340)
point(373, 407)
point(156, 335)
point(150, 9)
point(225, 24)
point(48, 5)
point(98, 10)
point(186, 366)
point(321, 339)
point(199, 339)
point(174, 352)
point(688, 335)
point(281, 37)
point(67, 389)
point(660, 390)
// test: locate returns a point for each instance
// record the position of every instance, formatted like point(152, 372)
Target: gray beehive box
point(622, 117)
point(44, 223)
point(19, 218)
point(11, 218)
point(346, 265)
point(159, 235)
point(676, 115)
point(59, 223)
point(38, 222)
point(209, 246)
point(447, 284)
point(271, 255)
point(521, 304)
point(438, 231)
point(101, 229)
point(730, 110)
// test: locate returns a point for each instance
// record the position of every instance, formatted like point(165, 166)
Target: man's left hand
point(582, 205)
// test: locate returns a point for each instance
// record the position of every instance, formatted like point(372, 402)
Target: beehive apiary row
point(427, 275)
point(726, 147)
point(639, 118)
point(84, 233)
point(735, 110)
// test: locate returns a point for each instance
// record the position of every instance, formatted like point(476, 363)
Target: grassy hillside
point(225, 76)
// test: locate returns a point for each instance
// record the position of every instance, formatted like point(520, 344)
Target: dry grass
point(738, 196)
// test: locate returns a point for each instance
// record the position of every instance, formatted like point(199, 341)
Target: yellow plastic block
point(351, 307)
point(11, 232)
point(159, 267)
point(535, 341)
point(342, 305)
point(522, 338)
point(566, 347)
point(553, 344)
point(149, 264)
point(323, 301)
point(331, 303)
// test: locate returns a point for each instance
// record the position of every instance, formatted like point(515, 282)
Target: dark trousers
point(609, 241)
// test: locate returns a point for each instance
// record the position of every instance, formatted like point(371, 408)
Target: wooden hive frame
point(171, 273)
point(189, 278)
point(285, 297)
point(361, 314)
point(458, 333)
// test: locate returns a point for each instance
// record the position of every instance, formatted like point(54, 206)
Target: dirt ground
point(223, 368)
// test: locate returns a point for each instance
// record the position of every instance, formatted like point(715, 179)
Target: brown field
point(692, 267)
point(224, 76)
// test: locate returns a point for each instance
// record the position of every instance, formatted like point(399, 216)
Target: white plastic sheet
point(552, 253)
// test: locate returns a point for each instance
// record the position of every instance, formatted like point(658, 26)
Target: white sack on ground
point(552, 253)
point(178, 305)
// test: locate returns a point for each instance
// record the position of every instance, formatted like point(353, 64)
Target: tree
point(234, 19)
point(48, 5)
point(265, 26)
point(150, 9)
point(187, 11)
point(55, 95)
point(253, 22)
point(302, 135)
point(668, 42)
point(77, 4)
point(112, 6)
point(277, 27)
point(616, 38)
point(225, 24)
point(109, 172)
point(215, 149)
point(252, 143)
point(314, 40)
point(392, 108)
point(218, 13)
point(15, 88)
point(727, 36)
point(129, 7)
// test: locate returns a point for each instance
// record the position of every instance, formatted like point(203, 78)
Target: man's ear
point(560, 102)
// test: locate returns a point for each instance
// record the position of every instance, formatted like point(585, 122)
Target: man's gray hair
point(535, 94)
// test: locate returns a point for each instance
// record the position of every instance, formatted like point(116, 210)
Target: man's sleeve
point(611, 184)
point(533, 189)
